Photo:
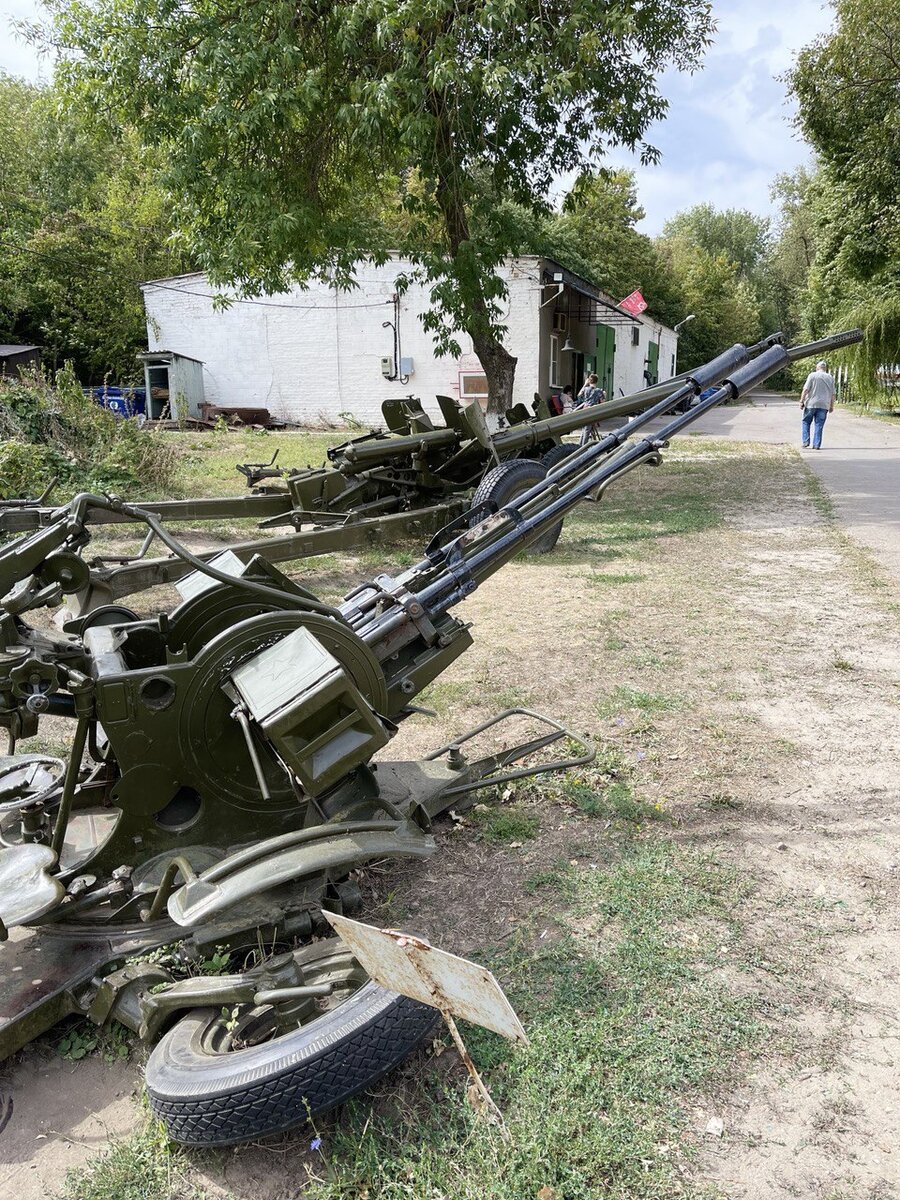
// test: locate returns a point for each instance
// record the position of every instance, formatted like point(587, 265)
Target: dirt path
point(858, 465)
point(821, 834)
point(771, 654)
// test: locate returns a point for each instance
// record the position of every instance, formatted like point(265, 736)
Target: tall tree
point(725, 306)
point(82, 223)
point(743, 239)
point(597, 230)
point(280, 122)
point(847, 85)
point(793, 251)
point(736, 233)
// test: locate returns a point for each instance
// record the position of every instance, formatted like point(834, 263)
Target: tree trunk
point(500, 370)
point(499, 365)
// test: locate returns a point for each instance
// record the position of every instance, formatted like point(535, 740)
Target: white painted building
point(321, 352)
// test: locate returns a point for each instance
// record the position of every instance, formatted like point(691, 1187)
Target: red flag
point(634, 304)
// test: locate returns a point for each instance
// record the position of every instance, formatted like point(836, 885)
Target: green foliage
point(112, 1043)
point(596, 234)
point(26, 469)
point(50, 429)
point(83, 223)
point(847, 86)
point(736, 234)
point(629, 698)
point(794, 250)
point(725, 302)
point(284, 126)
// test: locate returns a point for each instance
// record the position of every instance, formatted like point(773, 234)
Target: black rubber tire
point(510, 479)
point(556, 454)
point(207, 1099)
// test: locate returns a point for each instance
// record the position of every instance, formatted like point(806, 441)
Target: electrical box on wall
point(406, 366)
point(387, 367)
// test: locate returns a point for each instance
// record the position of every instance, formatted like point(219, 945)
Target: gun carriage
point(222, 784)
point(410, 480)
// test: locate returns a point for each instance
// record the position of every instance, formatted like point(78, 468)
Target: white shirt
point(819, 389)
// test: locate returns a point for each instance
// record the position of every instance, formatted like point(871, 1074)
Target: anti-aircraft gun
point(221, 786)
point(411, 479)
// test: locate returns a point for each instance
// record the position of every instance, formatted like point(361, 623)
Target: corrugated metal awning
point(592, 307)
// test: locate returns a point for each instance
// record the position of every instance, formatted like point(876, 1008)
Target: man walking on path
point(816, 401)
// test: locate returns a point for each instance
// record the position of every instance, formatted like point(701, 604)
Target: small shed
point(174, 385)
point(14, 358)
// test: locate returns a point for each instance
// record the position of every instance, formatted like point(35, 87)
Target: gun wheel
point(224, 1076)
point(503, 484)
point(556, 454)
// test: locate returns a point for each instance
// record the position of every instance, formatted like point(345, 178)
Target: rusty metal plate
point(409, 965)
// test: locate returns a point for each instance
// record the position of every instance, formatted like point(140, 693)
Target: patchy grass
point(626, 698)
point(502, 826)
point(617, 801)
point(143, 1167)
point(625, 1017)
point(612, 578)
point(445, 694)
point(626, 956)
point(620, 1030)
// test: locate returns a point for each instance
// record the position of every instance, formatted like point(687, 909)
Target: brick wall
point(317, 353)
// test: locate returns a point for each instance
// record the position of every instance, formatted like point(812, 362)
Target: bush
point(51, 429)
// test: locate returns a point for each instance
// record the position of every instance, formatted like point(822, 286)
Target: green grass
point(206, 461)
point(501, 826)
point(143, 1167)
point(626, 698)
point(627, 1021)
point(444, 694)
point(612, 578)
point(616, 801)
point(622, 1031)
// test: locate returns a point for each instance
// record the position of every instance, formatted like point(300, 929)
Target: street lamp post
point(684, 321)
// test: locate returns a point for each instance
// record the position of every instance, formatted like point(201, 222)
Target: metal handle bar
point(491, 762)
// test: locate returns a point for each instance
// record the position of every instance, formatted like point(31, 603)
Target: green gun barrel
point(359, 455)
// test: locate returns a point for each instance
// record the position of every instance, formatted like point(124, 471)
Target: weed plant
point(50, 430)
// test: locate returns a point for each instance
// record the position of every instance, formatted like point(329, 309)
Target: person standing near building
point(590, 395)
point(816, 402)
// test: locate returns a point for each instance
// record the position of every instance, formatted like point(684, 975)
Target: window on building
point(473, 385)
point(554, 361)
point(636, 335)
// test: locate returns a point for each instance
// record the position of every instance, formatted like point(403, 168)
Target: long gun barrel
point(453, 569)
point(671, 391)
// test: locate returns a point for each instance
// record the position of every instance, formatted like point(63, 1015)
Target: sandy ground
point(779, 631)
point(858, 464)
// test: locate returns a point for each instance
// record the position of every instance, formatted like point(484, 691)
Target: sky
point(728, 130)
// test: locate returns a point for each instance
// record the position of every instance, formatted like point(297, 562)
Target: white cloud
point(16, 56)
point(729, 128)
